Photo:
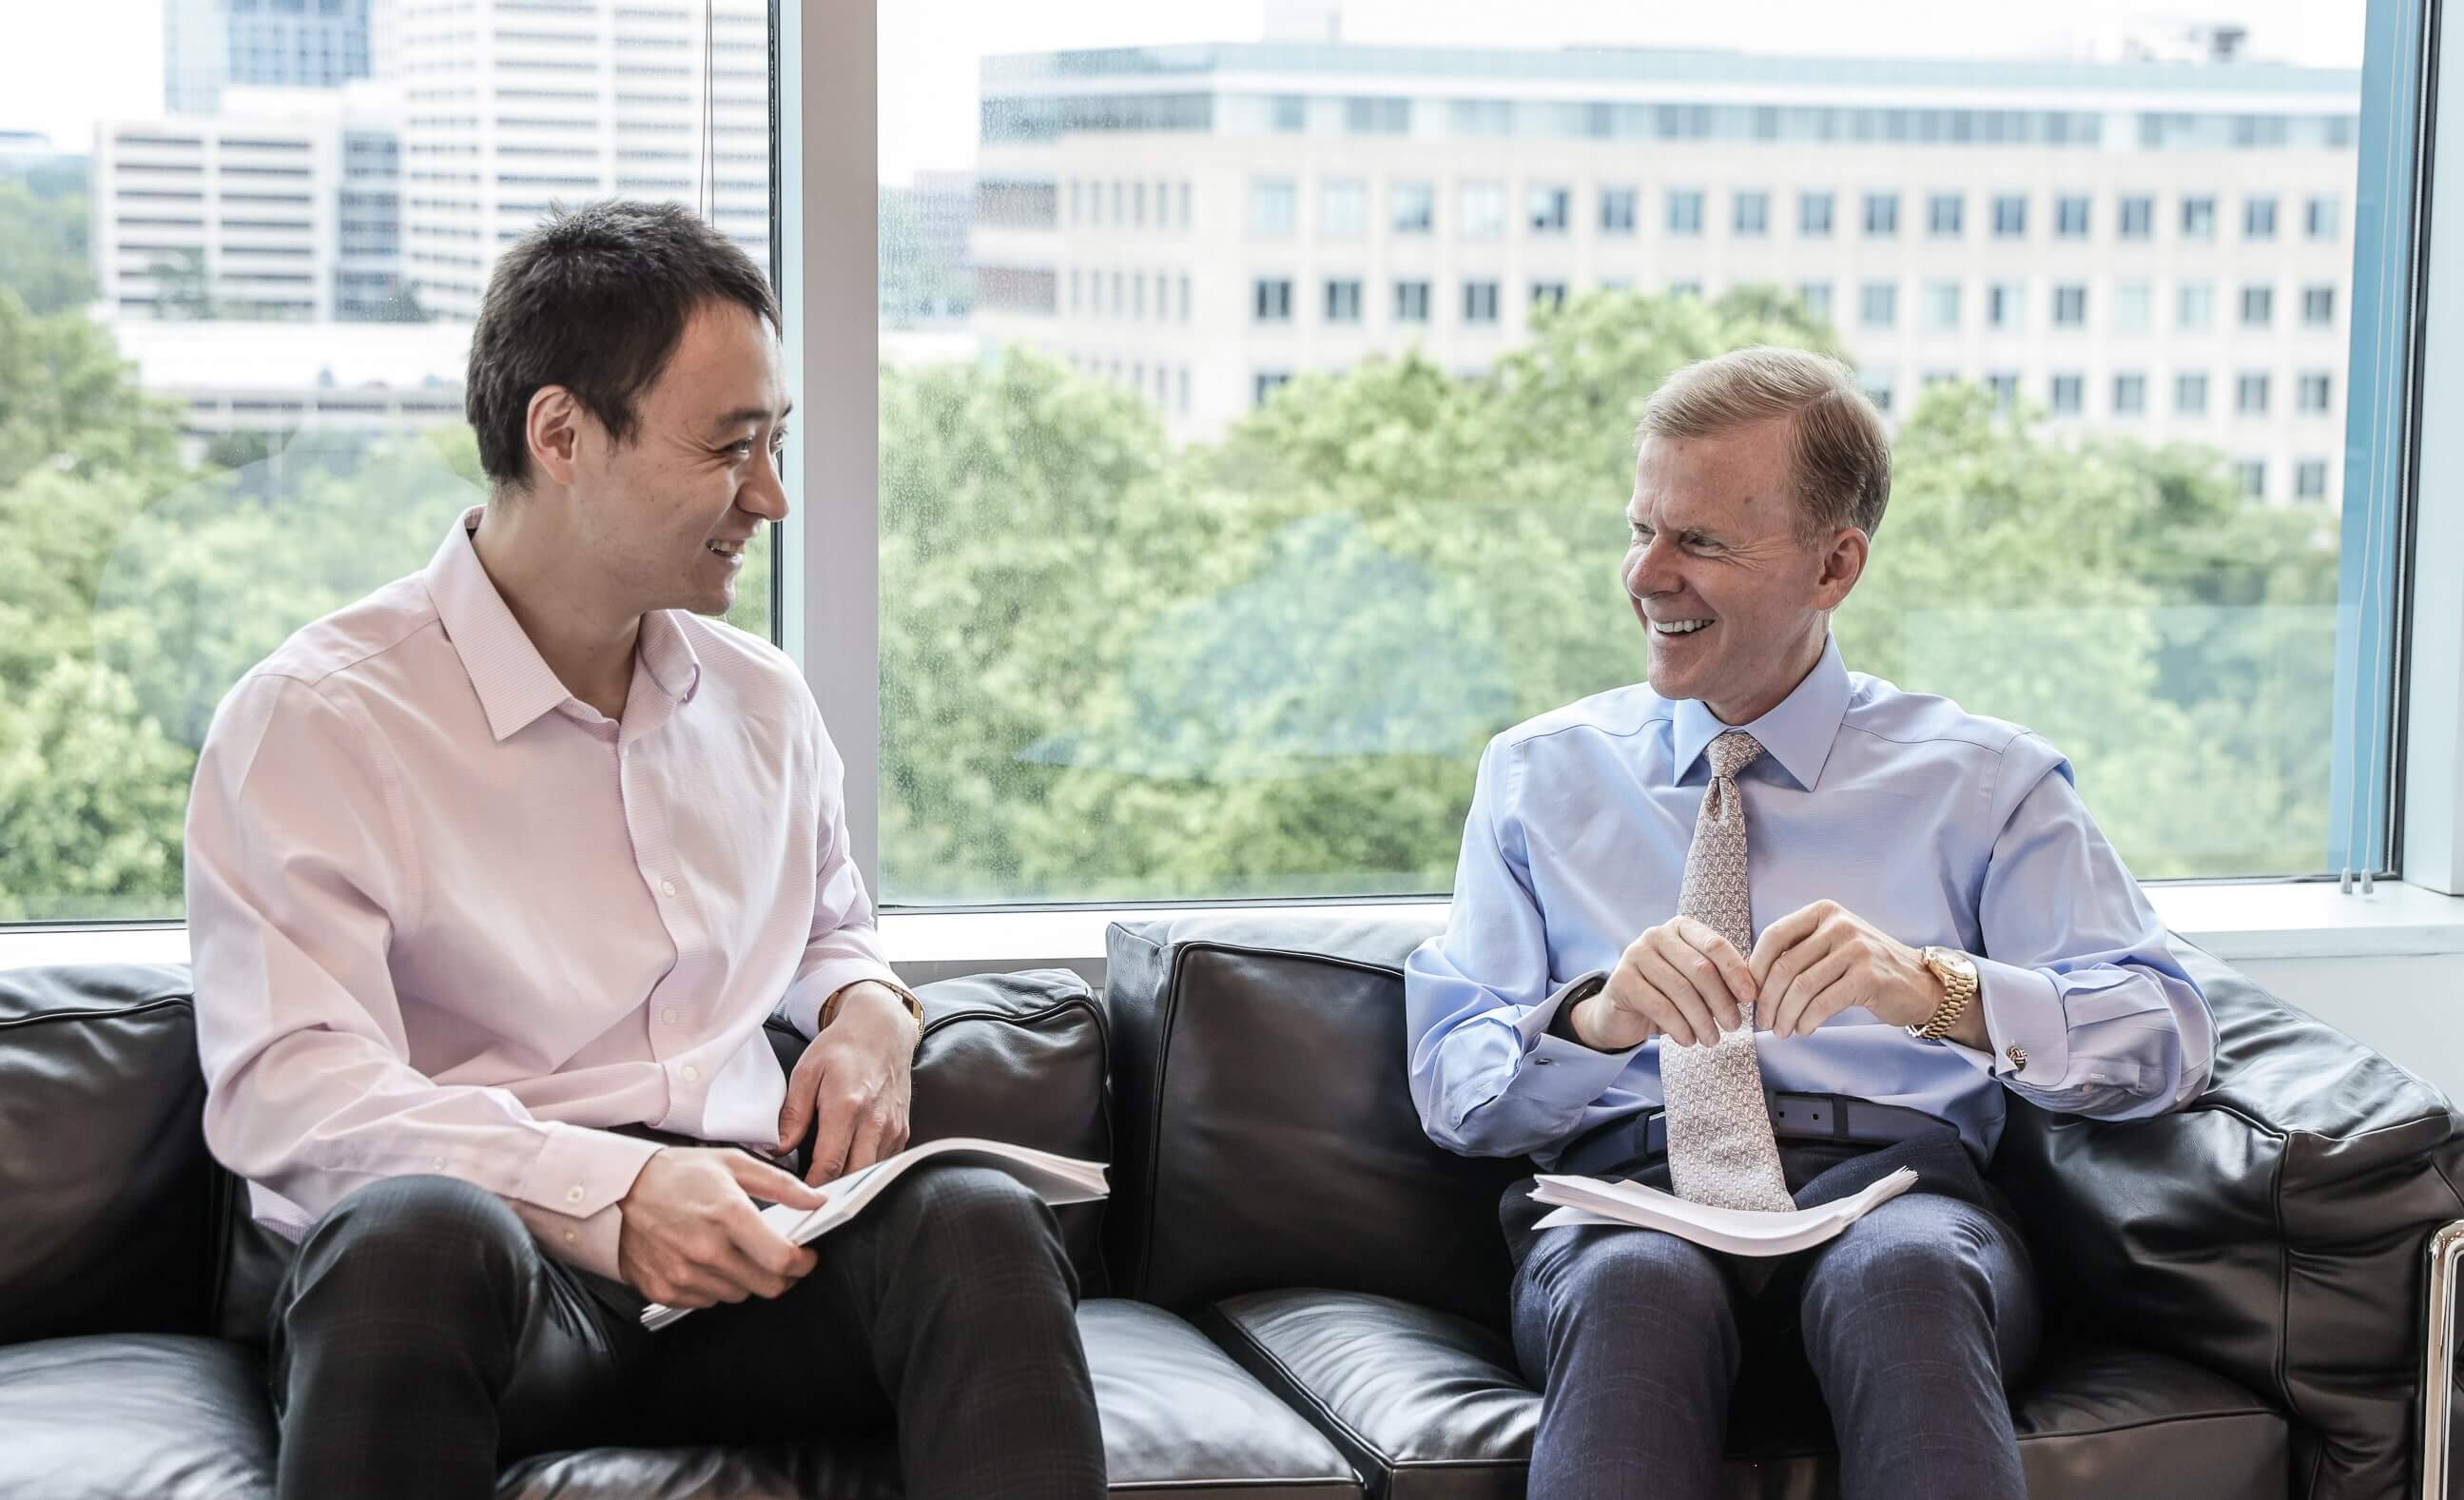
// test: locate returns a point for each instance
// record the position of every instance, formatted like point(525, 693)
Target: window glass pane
point(235, 304)
point(1136, 650)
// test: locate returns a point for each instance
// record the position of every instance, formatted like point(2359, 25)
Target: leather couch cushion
point(1179, 1419)
point(1268, 1137)
point(1430, 1407)
point(2273, 1231)
point(113, 1417)
point(103, 1169)
point(1015, 1057)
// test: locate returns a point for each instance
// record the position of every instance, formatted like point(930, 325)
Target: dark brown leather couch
point(1293, 1293)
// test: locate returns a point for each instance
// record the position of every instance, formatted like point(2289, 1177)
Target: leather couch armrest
point(2273, 1230)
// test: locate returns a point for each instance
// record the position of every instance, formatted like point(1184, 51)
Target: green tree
point(44, 257)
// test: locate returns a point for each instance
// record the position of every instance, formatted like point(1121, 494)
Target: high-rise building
point(211, 44)
point(513, 107)
point(284, 206)
point(2162, 248)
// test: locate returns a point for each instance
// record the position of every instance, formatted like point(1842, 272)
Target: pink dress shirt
point(446, 918)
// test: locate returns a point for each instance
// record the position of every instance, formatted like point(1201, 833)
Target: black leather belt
point(1794, 1117)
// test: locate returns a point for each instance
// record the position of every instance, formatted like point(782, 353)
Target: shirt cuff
point(582, 1171)
point(590, 1242)
point(2023, 1014)
point(802, 1008)
point(1554, 1071)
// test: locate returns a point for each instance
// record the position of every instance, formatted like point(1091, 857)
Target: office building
point(212, 45)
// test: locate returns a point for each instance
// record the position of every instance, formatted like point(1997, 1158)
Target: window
point(1881, 215)
point(1815, 295)
point(2004, 386)
point(2065, 394)
point(1685, 211)
point(2323, 218)
point(2194, 306)
point(1343, 300)
point(1941, 306)
point(2129, 395)
point(1685, 291)
point(1551, 208)
point(1271, 208)
point(2131, 304)
point(1879, 305)
point(2138, 218)
point(1480, 301)
point(2010, 217)
point(2253, 474)
point(2250, 394)
point(2310, 480)
point(2258, 218)
point(2071, 217)
point(1616, 210)
point(1343, 210)
point(1550, 295)
point(2070, 307)
point(1416, 207)
point(2004, 304)
point(1814, 216)
point(1877, 387)
point(2190, 395)
point(1411, 302)
point(2318, 305)
point(1752, 214)
point(1265, 383)
point(1292, 117)
point(2316, 392)
point(2258, 306)
point(2198, 218)
point(1378, 117)
point(1942, 214)
point(1484, 211)
point(1274, 299)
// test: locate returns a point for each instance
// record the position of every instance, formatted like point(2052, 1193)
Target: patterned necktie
point(1720, 1144)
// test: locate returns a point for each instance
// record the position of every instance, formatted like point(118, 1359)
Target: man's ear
point(553, 430)
point(1842, 565)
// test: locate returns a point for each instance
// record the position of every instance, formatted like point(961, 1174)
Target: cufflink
point(2018, 1056)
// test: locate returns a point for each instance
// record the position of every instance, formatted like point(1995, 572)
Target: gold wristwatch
point(1957, 972)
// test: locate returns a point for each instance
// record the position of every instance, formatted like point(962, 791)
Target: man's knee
point(975, 1216)
point(420, 1236)
point(1632, 1285)
point(1921, 1254)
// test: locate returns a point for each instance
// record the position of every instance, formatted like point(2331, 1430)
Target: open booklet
point(1739, 1231)
point(1056, 1179)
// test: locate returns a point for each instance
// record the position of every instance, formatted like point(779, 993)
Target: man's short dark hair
point(595, 299)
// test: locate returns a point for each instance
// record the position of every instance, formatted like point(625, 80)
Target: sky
point(67, 65)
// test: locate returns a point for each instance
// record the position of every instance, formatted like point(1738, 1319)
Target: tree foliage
point(1112, 668)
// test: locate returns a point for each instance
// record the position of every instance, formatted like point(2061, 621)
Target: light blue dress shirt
point(1936, 825)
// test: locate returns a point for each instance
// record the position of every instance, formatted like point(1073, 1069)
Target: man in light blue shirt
point(1911, 869)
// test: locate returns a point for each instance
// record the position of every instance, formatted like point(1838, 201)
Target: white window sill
point(2234, 921)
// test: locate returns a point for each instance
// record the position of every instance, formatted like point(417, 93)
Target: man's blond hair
point(1840, 454)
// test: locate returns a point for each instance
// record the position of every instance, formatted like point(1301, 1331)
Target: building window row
point(1165, 385)
point(1128, 205)
point(1129, 295)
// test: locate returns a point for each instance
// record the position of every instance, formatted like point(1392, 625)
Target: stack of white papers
point(1738, 1231)
point(1055, 1179)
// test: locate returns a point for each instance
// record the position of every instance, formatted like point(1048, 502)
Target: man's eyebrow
point(756, 414)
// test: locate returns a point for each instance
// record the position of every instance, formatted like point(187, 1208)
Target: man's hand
point(1679, 980)
point(691, 1236)
point(853, 1085)
point(1820, 960)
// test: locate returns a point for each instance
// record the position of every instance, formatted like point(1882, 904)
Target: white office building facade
point(2161, 249)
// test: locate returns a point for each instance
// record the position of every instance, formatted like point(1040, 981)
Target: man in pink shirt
point(494, 878)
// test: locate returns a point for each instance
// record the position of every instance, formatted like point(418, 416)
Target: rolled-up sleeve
point(843, 946)
point(2075, 976)
point(1486, 1074)
point(299, 866)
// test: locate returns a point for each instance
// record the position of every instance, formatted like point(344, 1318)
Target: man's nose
point(1650, 569)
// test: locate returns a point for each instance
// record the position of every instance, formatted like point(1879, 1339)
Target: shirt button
point(669, 1015)
point(692, 1074)
point(667, 888)
point(438, 1164)
point(569, 1237)
point(573, 1194)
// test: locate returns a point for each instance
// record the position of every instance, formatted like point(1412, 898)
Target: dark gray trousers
point(1913, 1321)
point(421, 1339)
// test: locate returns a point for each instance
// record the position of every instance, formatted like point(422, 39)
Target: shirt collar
point(513, 681)
point(1798, 733)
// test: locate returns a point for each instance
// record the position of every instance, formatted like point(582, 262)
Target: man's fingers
point(1777, 939)
point(1670, 1002)
point(869, 1139)
point(1733, 966)
point(1702, 976)
point(771, 1184)
point(1788, 1014)
point(833, 1134)
point(774, 1260)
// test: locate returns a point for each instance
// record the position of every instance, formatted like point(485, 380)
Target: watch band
point(830, 1006)
point(1958, 992)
